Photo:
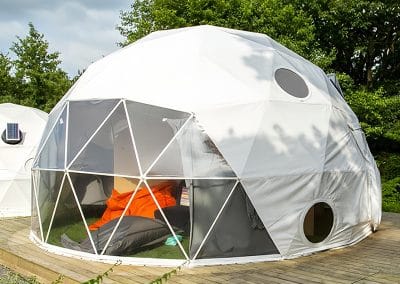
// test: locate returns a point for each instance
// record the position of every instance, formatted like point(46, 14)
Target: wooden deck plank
point(374, 260)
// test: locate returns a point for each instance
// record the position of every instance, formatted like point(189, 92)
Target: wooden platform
point(374, 260)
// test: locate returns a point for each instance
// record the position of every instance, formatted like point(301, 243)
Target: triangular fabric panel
point(295, 145)
point(280, 201)
point(80, 129)
point(68, 227)
point(111, 150)
point(342, 152)
point(192, 154)
point(207, 198)
point(52, 155)
point(238, 231)
point(49, 187)
point(153, 128)
point(142, 230)
point(16, 198)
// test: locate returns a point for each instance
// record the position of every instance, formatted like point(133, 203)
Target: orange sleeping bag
point(142, 204)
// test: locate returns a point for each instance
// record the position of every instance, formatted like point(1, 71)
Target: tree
point(7, 81)
point(40, 80)
point(278, 19)
point(364, 35)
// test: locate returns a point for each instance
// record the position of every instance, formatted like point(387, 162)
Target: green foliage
point(163, 251)
point(389, 165)
point(364, 34)
point(34, 78)
point(166, 276)
point(379, 117)
point(391, 195)
point(279, 19)
point(7, 81)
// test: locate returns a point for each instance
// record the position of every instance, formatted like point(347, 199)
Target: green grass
point(164, 251)
point(75, 231)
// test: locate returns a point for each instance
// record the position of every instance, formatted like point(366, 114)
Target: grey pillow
point(133, 233)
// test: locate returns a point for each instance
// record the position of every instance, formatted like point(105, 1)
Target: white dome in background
point(17, 151)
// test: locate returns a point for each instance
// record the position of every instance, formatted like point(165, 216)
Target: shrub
point(391, 195)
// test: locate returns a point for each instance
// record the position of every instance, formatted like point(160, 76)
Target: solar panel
point(12, 132)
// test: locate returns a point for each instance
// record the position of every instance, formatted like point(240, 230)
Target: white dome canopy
point(216, 66)
point(17, 157)
point(210, 103)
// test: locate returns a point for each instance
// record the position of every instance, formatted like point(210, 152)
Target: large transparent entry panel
point(154, 223)
point(208, 197)
point(68, 226)
point(175, 244)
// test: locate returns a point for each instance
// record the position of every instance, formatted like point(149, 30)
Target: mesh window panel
point(236, 232)
point(52, 119)
point(192, 154)
point(111, 149)
point(68, 228)
point(84, 118)
point(52, 155)
point(153, 128)
point(291, 83)
point(49, 187)
point(208, 196)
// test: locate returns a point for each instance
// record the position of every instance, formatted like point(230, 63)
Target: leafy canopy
point(34, 78)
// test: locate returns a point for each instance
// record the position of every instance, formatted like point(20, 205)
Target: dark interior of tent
point(189, 207)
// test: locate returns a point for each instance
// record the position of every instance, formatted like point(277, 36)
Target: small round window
point(318, 222)
point(291, 83)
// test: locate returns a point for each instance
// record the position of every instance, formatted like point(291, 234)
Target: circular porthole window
point(318, 222)
point(291, 83)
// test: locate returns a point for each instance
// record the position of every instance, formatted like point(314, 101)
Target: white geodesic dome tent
point(262, 156)
point(20, 129)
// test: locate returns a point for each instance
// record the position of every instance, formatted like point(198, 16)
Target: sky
point(82, 31)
